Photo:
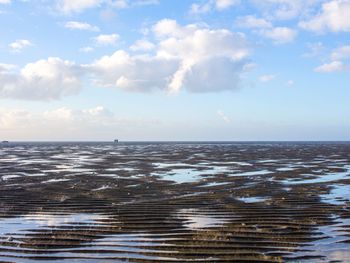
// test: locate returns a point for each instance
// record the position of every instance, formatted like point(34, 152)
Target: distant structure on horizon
point(116, 141)
point(5, 142)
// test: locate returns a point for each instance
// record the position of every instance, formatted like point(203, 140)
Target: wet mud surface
point(278, 202)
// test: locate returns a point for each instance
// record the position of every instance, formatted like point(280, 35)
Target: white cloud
point(202, 8)
point(194, 46)
point(120, 4)
point(5, 1)
point(20, 44)
point(334, 17)
point(290, 83)
point(14, 119)
point(252, 22)
point(142, 45)
point(315, 49)
point(64, 123)
point(6, 67)
point(337, 58)
point(286, 9)
point(334, 66)
point(279, 35)
point(96, 114)
point(341, 53)
point(145, 2)
point(224, 4)
point(86, 49)
point(75, 6)
point(133, 73)
point(81, 26)
point(190, 57)
point(42, 80)
point(223, 116)
point(105, 40)
point(266, 78)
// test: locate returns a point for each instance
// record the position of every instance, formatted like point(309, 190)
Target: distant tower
point(116, 141)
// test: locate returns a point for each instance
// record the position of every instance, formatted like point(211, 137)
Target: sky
point(222, 70)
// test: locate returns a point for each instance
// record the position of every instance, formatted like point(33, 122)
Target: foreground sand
point(175, 202)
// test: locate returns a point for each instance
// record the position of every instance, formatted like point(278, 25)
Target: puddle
point(330, 245)
point(181, 175)
point(6, 177)
point(214, 184)
point(252, 173)
point(253, 199)
point(285, 169)
point(195, 220)
point(329, 177)
point(102, 188)
point(339, 195)
point(55, 180)
point(31, 222)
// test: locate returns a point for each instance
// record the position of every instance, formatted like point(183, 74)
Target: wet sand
point(100, 202)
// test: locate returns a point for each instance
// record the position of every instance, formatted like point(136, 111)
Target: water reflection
point(175, 202)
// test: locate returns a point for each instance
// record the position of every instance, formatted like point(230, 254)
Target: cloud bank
point(191, 57)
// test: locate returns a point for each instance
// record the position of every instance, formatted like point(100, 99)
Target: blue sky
point(175, 70)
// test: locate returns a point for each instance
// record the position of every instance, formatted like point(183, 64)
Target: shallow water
point(149, 202)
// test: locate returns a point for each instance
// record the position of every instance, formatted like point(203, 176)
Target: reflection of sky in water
point(214, 184)
point(10, 176)
point(182, 175)
point(37, 220)
point(188, 175)
point(328, 177)
point(251, 173)
point(195, 219)
point(330, 246)
point(338, 195)
point(285, 169)
point(252, 199)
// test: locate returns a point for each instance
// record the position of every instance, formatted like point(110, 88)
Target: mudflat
point(180, 202)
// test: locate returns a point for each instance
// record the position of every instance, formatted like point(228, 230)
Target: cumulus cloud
point(105, 39)
point(19, 45)
point(142, 45)
point(61, 117)
point(341, 53)
point(86, 49)
point(64, 123)
point(223, 116)
point(81, 26)
point(133, 73)
point(192, 58)
point(266, 78)
point(183, 58)
point(286, 9)
point(315, 49)
point(202, 8)
point(339, 58)
point(334, 17)
point(334, 66)
point(290, 83)
point(279, 35)
point(223, 4)
point(77, 6)
point(42, 80)
point(74, 6)
point(6, 67)
point(251, 21)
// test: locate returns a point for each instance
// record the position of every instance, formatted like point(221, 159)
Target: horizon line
point(165, 141)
